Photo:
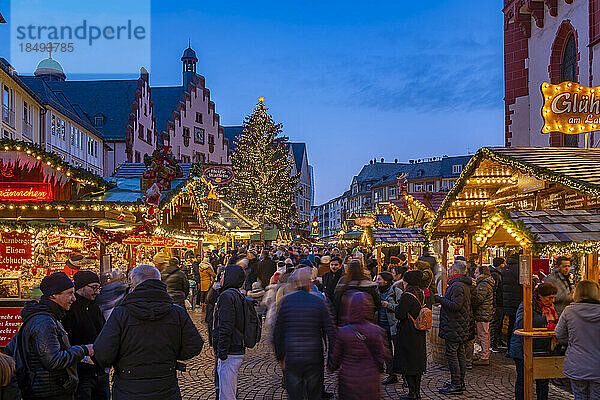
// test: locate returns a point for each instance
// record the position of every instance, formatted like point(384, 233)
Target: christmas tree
point(263, 186)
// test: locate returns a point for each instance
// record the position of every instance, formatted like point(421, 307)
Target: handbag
point(363, 338)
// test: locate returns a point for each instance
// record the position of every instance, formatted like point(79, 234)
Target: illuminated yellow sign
point(570, 108)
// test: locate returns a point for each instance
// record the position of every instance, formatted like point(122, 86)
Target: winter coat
point(539, 345)
point(301, 325)
point(456, 317)
point(211, 302)
point(265, 270)
point(354, 286)
point(412, 346)
point(330, 281)
point(565, 287)
point(143, 339)
point(83, 323)
point(428, 286)
point(251, 274)
point(391, 295)
point(580, 323)
point(10, 391)
point(512, 290)
point(48, 354)
point(497, 275)
point(205, 275)
point(228, 322)
point(177, 283)
point(358, 361)
point(483, 299)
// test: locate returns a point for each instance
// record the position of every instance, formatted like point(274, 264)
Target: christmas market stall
point(408, 240)
point(538, 202)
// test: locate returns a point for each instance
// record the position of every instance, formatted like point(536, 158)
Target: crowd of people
point(320, 309)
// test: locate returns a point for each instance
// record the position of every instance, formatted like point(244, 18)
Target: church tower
point(189, 61)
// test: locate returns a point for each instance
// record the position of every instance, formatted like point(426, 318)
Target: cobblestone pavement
point(260, 377)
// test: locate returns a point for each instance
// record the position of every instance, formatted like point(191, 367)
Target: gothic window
point(569, 62)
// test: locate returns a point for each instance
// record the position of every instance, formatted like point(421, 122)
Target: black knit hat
point(84, 278)
point(413, 278)
point(55, 283)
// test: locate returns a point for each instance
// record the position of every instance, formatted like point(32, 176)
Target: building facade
point(331, 215)
point(303, 197)
point(546, 41)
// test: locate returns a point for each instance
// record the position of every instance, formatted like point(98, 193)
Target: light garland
point(502, 218)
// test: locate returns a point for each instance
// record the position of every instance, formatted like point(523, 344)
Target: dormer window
point(457, 168)
point(99, 120)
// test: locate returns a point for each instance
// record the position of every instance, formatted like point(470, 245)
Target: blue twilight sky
point(355, 79)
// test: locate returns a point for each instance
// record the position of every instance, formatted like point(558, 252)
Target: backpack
point(252, 323)
point(424, 321)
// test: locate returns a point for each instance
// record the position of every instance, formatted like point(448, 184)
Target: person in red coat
point(360, 352)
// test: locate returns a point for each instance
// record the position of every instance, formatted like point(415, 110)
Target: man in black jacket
point(83, 323)
point(228, 331)
point(41, 347)
point(456, 325)
point(331, 278)
point(265, 269)
point(512, 293)
point(144, 338)
point(177, 282)
point(303, 323)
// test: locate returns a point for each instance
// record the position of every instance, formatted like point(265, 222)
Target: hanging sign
point(364, 221)
point(218, 175)
point(570, 108)
point(10, 322)
point(25, 191)
point(15, 249)
point(159, 241)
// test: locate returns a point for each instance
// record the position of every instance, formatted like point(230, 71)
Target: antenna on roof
point(189, 43)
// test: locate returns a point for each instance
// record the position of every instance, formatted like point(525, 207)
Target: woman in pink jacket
point(360, 352)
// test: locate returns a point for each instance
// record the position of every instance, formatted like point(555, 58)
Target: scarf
point(549, 313)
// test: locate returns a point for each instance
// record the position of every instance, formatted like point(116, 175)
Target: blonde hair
point(586, 290)
point(7, 369)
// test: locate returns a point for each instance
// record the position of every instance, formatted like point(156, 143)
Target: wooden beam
point(528, 326)
point(591, 267)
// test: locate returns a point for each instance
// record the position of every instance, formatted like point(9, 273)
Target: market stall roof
point(399, 235)
point(523, 178)
point(415, 209)
point(521, 228)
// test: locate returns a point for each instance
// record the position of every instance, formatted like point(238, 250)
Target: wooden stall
point(410, 239)
point(543, 201)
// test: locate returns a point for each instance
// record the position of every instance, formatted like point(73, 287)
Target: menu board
point(10, 322)
point(15, 249)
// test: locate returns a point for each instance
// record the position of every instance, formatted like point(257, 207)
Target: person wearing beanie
point(42, 337)
point(412, 348)
point(83, 322)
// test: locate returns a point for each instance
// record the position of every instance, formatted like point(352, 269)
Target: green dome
point(50, 67)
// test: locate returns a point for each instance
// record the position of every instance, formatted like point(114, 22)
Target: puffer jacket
point(580, 324)
point(177, 283)
point(565, 287)
point(456, 316)
point(46, 351)
point(358, 361)
point(540, 346)
point(143, 339)
point(301, 325)
point(512, 290)
point(497, 275)
point(483, 299)
point(228, 320)
point(205, 275)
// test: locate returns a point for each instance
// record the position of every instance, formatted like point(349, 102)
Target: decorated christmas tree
point(264, 184)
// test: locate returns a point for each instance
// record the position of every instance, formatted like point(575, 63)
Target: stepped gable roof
point(165, 99)
point(60, 102)
point(111, 98)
